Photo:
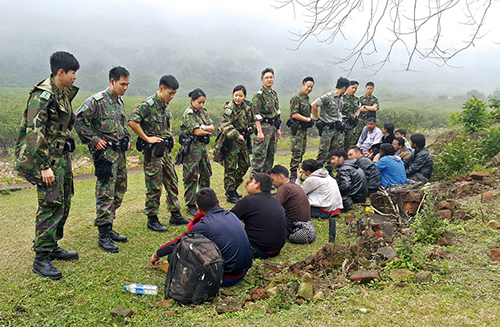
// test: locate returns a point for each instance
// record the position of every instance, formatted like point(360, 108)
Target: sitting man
point(263, 217)
point(420, 164)
point(372, 174)
point(388, 137)
point(221, 227)
point(402, 133)
point(299, 227)
point(370, 135)
point(392, 168)
point(350, 178)
point(321, 189)
point(400, 148)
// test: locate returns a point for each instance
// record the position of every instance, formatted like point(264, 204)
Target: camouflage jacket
point(351, 105)
point(331, 107)
point(101, 117)
point(45, 126)
point(300, 104)
point(265, 104)
point(368, 101)
point(236, 118)
point(153, 116)
point(193, 119)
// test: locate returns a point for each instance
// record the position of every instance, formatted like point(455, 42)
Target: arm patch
point(228, 112)
point(45, 95)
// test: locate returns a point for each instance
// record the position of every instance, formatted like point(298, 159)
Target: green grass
point(93, 285)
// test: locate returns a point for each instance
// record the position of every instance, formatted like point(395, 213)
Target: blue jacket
point(392, 171)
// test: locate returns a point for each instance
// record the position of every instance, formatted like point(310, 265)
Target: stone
point(228, 305)
point(444, 214)
point(438, 254)
point(414, 196)
point(486, 197)
point(400, 274)
point(444, 241)
point(459, 214)
point(479, 174)
point(258, 294)
point(411, 207)
point(228, 293)
point(380, 233)
point(470, 214)
point(364, 277)
point(122, 312)
point(166, 303)
point(488, 181)
point(495, 224)
point(164, 266)
point(387, 253)
point(306, 287)
point(495, 254)
point(280, 279)
point(350, 218)
point(319, 296)
point(424, 277)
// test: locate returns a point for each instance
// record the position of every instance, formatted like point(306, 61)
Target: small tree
point(474, 115)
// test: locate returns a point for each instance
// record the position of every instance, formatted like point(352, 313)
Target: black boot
point(117, 237)
point(232, 197)
point(155, 225)
point(293, 175)
point(44, 267)
point(238, 195)
point(60, 254)
point(192, 210)
point(177, 219)
point(105, 242)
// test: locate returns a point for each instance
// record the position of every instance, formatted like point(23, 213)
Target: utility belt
point(201, 139)
point(247, 133)
point(120, 145)
point(276, 122)
point(157, 148)
point(294, 125)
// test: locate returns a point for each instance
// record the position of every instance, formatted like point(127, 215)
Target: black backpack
point(195, 270)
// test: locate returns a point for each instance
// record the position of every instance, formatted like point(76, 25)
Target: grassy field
point(465, 290)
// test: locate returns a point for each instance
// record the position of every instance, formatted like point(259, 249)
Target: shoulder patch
point(45, 95)
point(259, 92)
point(98, 96)
point(189, 111)
point(228, 112)
point(150, 102)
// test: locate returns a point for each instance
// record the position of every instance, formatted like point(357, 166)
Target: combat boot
point(155, 225)
point(117, 237)
point(192, 210)
point(44, 267)
point(238, 195)
point(105, 242)
point(293, 175)
point(177, 219)
point(60, 254)
point(232, 197)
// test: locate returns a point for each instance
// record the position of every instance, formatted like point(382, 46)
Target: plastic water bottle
point(141, 289)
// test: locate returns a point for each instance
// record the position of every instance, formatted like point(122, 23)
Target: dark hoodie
point(352, 184)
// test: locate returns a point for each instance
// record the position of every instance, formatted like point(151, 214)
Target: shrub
point(489, 143)
point(474, 115)
point(410, 257)
point(457, 158)
point(429, 226)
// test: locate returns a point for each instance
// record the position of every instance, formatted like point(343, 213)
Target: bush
point(494, 103)
point(474, 115)
point(489, 143)
point(410, 257)
point(457, 158)
point(429, 226)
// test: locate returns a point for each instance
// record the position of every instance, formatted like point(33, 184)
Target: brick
point(479, 174)
point(411, 207)
point(258, 294)
point(495, 254)
point(444, 205)
point(413, 196)
point(443, 241)
point(486, 197)
point(438, 254)
point(350, 218)
point(445, 214)
point(365, 276)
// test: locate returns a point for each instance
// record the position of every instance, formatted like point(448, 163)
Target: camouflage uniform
point(45, 127)
point(155, 120)
point(331, 139)
point(236, 163)
point(299, 104)
point(196, 162)
point(351, 133)
point(102, 117)
point(368, 101)
point(265, 106)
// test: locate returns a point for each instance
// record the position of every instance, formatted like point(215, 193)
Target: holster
point(102, 167)
point(293, 124)
point(320, 125)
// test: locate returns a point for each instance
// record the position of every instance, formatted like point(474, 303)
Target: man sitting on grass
point(392, 168)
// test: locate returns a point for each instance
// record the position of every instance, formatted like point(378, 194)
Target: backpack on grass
point(195, 270)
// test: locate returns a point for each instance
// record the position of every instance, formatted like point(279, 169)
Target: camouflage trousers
point(195, 163)
point(54, 203)
point(299, 144)
point(109, 196)
point(263, 152)
point(158, 172)
point(236, 165)
point(329, 141)
point(351, 135)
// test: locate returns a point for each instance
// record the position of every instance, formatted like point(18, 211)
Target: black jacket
point(420, 161)
point(372, 174)
point(352, 184)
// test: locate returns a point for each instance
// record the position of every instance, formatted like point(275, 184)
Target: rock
point(364, 262)
point(164, 266)
point(424, 277)
point(470, 215)
point(438, 254)
point(364, 277)
point(411, 207)
point(479, 174)
point(495, 224)
point(258, 294)
point(444, 214)
point(121, 311)
point(166, 303)
point(488, 181)
point(413, 196)
point(400, 274)
point(350, 218)
point(319, 296)
point(495, 254)
point(336, 254)
point(299, 301)
point(444, 241)
point(387, 253)
point(306, 287)
point(280, 279)
point(228, 293)
point(228, 305)
point(486, 197)
point(444, 205)
point(273, 266)
point(380, 233)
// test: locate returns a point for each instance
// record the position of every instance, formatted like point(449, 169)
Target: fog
point(214, 45)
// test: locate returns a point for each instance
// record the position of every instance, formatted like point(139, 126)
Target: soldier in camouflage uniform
point(332, 137)
point(198, 126)
point(368, 105)
point(236, 127)
point(300, 110)
point(350, 113)
point(101, 124)
point(152, 122)
point(42, 157)
point(266, 109)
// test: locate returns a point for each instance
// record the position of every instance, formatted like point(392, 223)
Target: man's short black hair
point(266, 182)
point(63, 60)
point(355, 148)
point(387, 149)
point(310, 165)
point(339, 153)
point(370, 84)
point(279, 169)
point(342, 82)
point(267, 70)
point(307, 79)
point(240, 88)
point(118, 72)
point(206, 199)
point(418, 139)
point(389, 127)
point(169, 82)
point(353, 83)
point(372, 120)
point(401, 131)
point(401, 141)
